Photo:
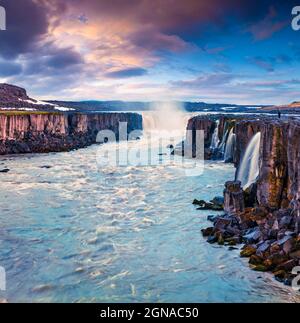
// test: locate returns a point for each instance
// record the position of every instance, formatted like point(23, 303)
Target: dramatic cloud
point(129, 72)
point(109, 49)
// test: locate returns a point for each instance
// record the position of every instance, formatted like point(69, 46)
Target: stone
point(212, 239)
point(287, 266)
point(218, 200)
point(208, 231)
point(263, 247)
point(260, 268)
point(5, 170)
point(207, 205)
point(280, 274)
point(222, 223)
point(252, 235)
point(248, 251)
point(255, 260)
point(285, 221)
point(295, 254)
point(234, 198)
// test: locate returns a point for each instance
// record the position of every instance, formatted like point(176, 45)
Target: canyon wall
point(54, 132)
point(278, 183)
point(264, 215)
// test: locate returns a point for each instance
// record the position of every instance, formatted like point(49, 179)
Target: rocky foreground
point(265, 216)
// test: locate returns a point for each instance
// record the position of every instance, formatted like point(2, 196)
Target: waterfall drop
point(215, 138)
point(249, 167)
point(229, 150)
point(165, 116)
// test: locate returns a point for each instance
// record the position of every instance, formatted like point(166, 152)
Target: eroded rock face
point(54, 132)
point(234, 198)
point(273, 178)
point(269, 225)
point(208, 124)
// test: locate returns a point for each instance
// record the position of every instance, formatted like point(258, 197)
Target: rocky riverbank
point(43, 132)
point(263, 214)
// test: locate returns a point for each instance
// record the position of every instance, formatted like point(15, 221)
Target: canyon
point(262, 212)
point(38, 132)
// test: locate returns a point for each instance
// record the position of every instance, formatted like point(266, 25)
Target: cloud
point(264, 63)
point(126, 73)
point(206, 81)
point(75, 47)
point(8, 69)
point(271, 24)
point(26, 23)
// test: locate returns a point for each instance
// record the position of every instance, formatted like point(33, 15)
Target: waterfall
point(215, 138)
point(223, 143)
point(249, 167)
point(229, 150)
point(165, 116)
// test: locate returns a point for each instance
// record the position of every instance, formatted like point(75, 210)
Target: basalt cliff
point(262, 213)
point(31, 126)
point(37, 132)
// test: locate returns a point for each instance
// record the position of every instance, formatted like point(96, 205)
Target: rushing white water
point(215, 138)
point(165, 116)
point(249, 167)
point(223, 142)
point(228, 155)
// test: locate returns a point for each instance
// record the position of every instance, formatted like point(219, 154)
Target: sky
point(223, 51)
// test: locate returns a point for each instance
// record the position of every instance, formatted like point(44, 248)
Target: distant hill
point(92, 106)
point(15, 98)
point(295, 107)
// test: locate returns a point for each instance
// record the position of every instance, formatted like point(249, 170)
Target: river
point(72, 231)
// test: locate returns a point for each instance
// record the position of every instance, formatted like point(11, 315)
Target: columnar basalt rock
point(208, 124)
point(273, 173)
point(54, 132)
point(234, 198)
point(269, 225)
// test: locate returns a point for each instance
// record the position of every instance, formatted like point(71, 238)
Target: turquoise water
point(76, 233)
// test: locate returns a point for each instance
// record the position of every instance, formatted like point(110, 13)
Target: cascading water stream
point(215, 138)
point(223, 142)
point(249, 167)
point(230, 144)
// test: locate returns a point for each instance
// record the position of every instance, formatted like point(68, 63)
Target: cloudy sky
point(233, 51)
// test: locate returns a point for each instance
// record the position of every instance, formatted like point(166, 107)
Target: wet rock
point(212, 239)
point(260, 267)
point(5, 170)
point(248, 251)
point(295, 254)
point(207, 232)
point(203, 205)
point(252, 236)
point(219, 201)
point(222, 223)
point(255, 260)
point(277, 259)
point(250, 195)
point(212, 218)
point(285, 222)
point(280, 275)
point(287, 266)
point(233, 198)
point(263, 247)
